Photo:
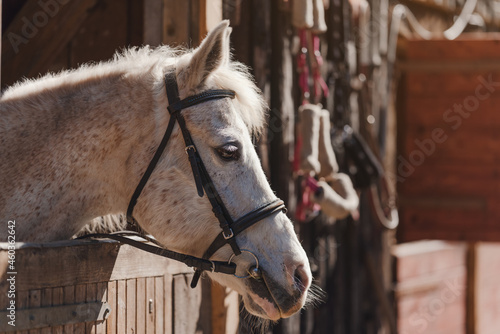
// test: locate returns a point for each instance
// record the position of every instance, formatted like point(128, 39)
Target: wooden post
point(153, 22)
point(471, 308)
point(210, 15)
point(187, 22)
point(281, 122)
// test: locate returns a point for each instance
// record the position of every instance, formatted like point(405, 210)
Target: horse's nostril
point(301, 278)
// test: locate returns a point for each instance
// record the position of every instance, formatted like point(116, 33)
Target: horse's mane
point(154, 62)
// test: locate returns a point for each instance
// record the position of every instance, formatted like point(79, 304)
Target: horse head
point(171, 210)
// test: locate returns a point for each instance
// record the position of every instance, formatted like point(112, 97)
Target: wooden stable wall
point(448, 183)
point(65, 34)
point(38, 38)
point(449, 143)
point(145, 293)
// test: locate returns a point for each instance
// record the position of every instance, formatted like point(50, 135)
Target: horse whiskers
point(253, 324)
point(315, 296)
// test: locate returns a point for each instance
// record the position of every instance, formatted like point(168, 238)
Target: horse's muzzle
point(280, 300)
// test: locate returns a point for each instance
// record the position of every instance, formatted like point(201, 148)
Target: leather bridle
point(230, 228)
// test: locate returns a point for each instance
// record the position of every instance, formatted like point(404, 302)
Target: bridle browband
point(204, 184)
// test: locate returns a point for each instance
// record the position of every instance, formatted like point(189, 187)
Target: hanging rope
point(401, 11)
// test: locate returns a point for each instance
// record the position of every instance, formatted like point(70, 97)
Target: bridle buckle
point(190, 147)
point(231, 234)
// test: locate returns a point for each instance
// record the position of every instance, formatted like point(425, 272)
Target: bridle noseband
point(204, 184)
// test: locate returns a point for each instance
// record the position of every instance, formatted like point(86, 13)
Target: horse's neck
point(90, 137)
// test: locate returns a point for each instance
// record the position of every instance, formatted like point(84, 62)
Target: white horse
point(74, 146)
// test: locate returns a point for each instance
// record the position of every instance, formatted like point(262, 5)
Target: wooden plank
point(430, 315)
point(150, 302)
point(168, 301)
point(459, 181)
point(69, 297)
point(186, 305)
point(210, 15)
point(62, 264)
point(225, 309)
point(57, 299)
point(281, 122)
point(90, 296)
point(112, 301)
point(121, 306)
point(439, 112)
point(141, 305)
point(131, 306)
point(487, 290)
point(218, 308)
point(175, 23)
point(446, 233)
point(37, 318)
point(101, 34)
point(421, 258)
point(195, 12)
point(22, 301)
point(80, 297)
point(471, 290)
point(135, 26)
point(153, 22)
point(35, 302)
point(159, 305)
point(102, 296)
point(204, 324)
point(467, 47)
point(431, 287)
point(428, 283)
point(473, 145)
point(46, 300)
point(38, 34)
point(457, 83)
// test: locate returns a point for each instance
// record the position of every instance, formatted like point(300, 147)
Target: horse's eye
point(228, 152)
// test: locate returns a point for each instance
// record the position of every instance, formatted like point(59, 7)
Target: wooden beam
point(38, 34)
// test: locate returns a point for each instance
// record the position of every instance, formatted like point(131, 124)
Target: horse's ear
point(210, 55)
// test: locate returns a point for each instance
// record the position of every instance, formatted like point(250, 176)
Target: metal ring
point(213, 265)
point(249, 252)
